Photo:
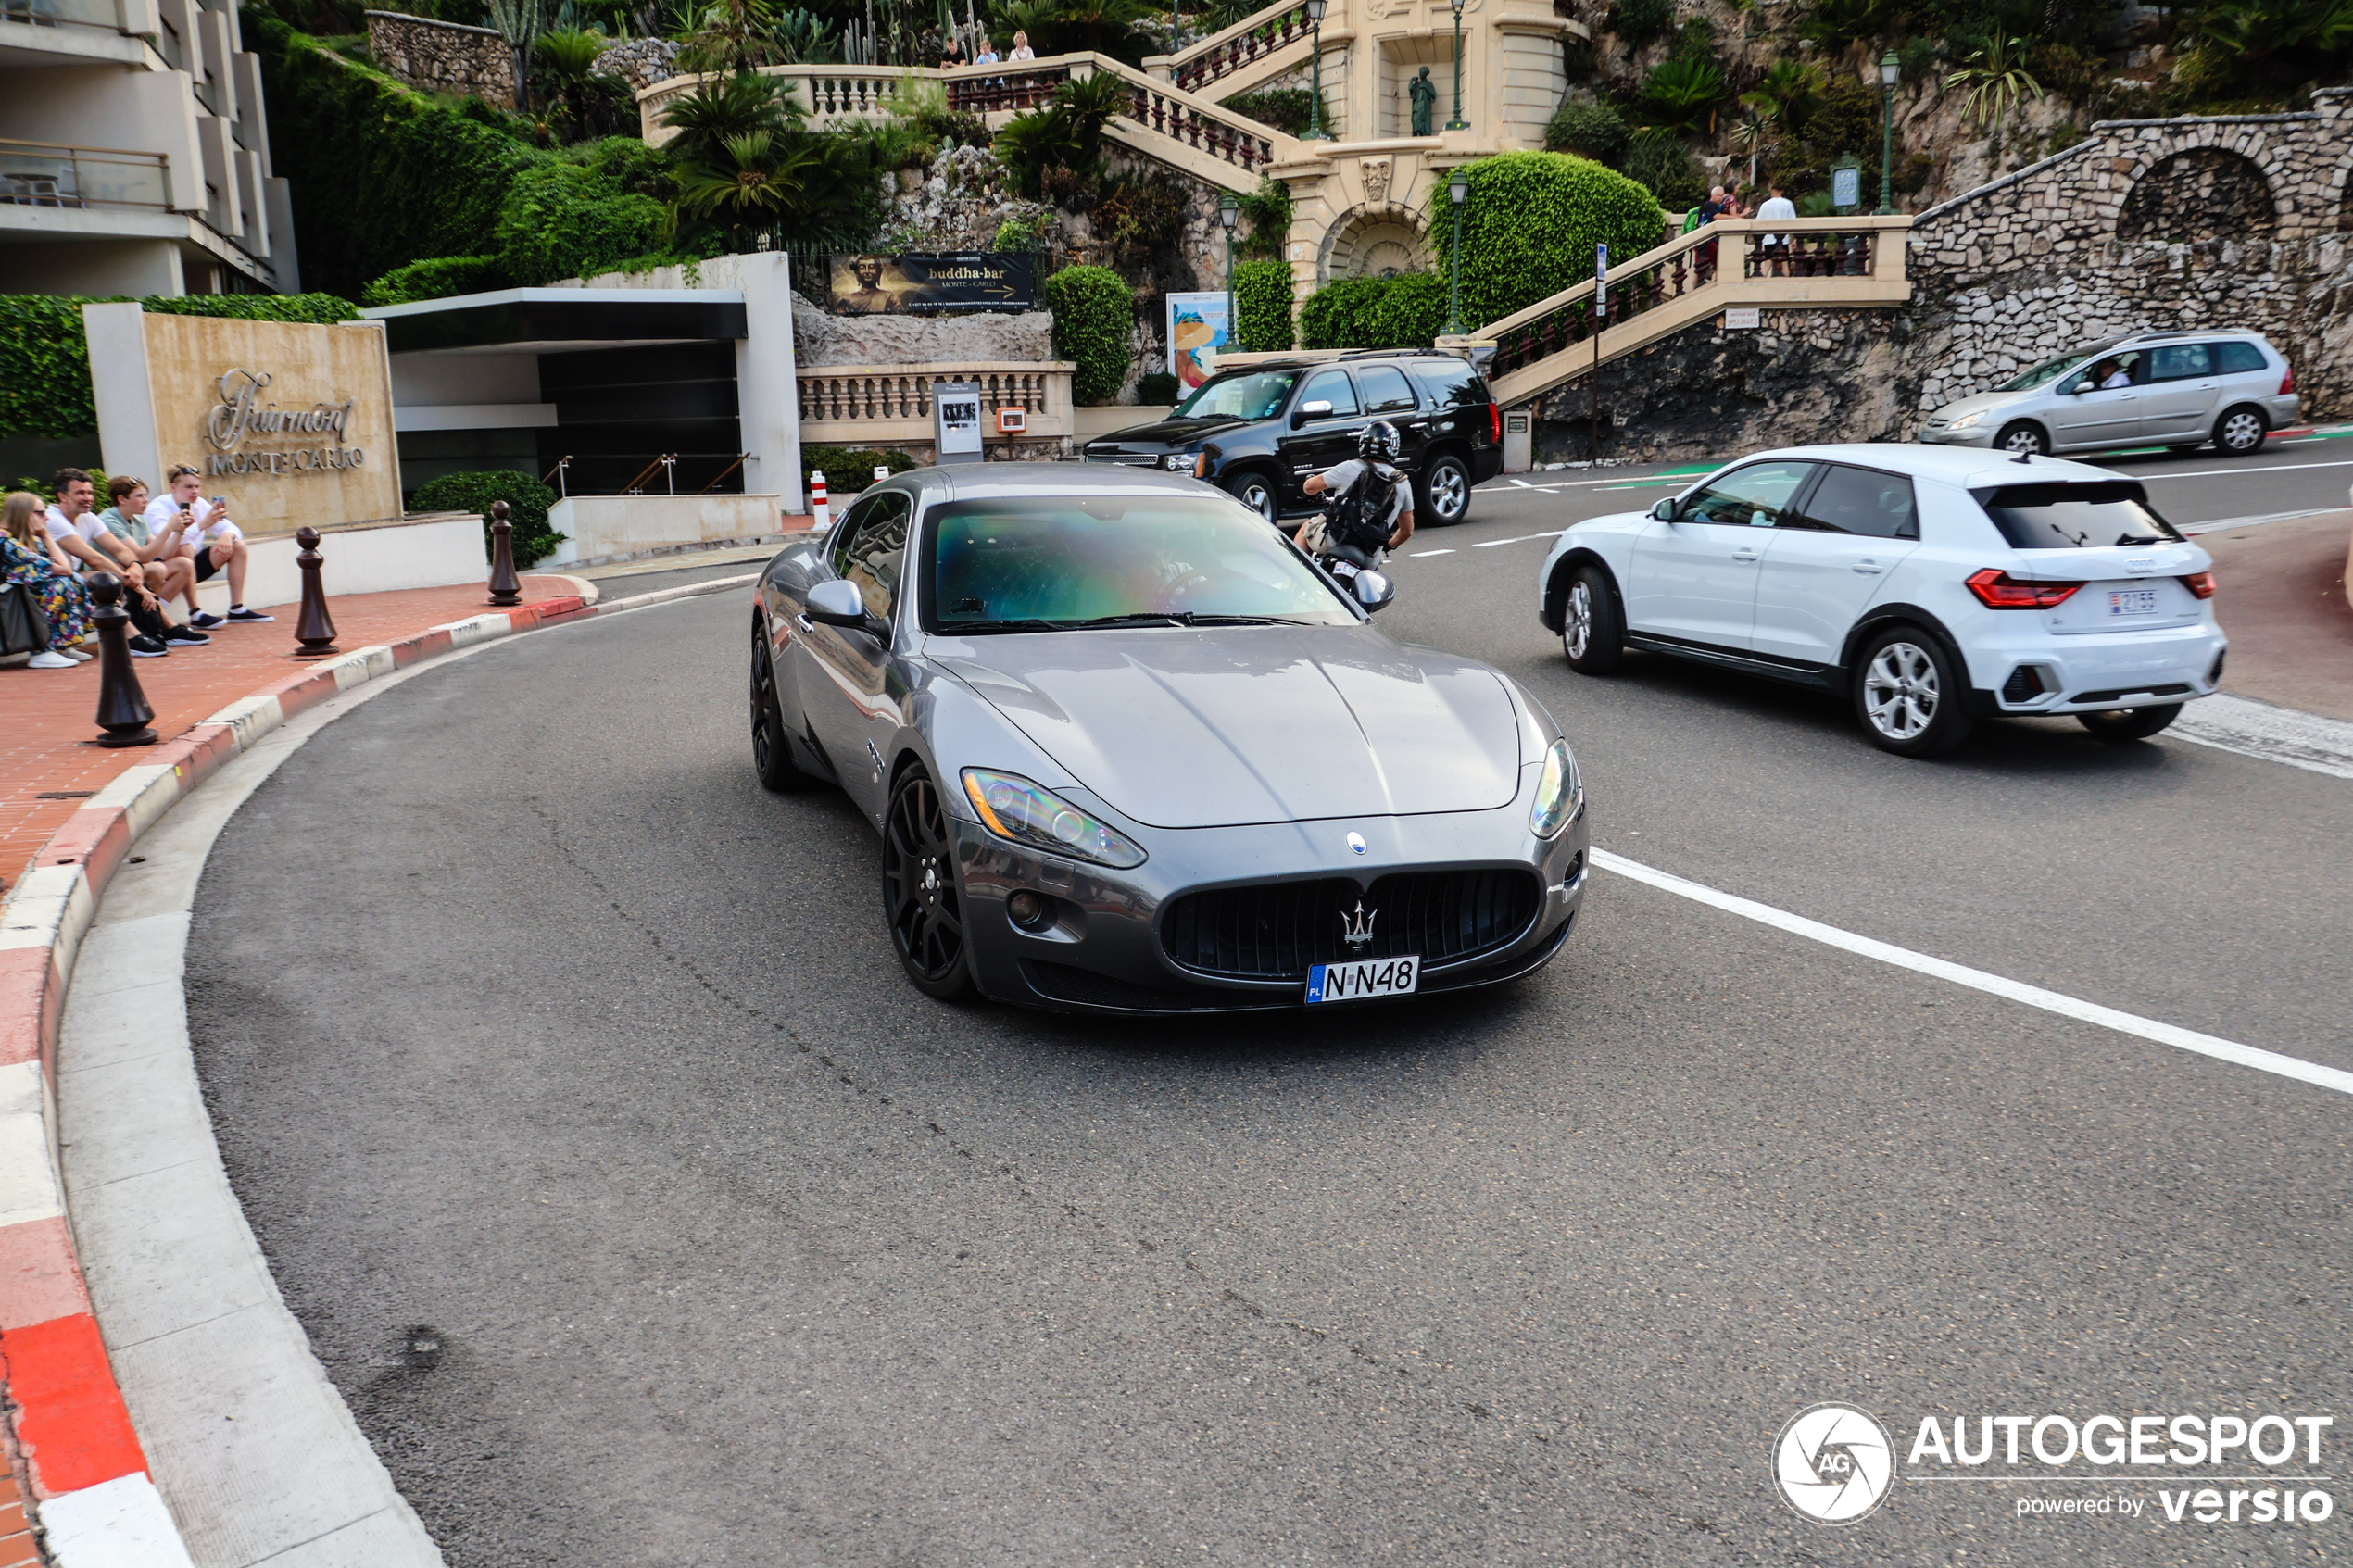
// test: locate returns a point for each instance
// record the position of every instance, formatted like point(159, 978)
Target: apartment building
point(134, 154)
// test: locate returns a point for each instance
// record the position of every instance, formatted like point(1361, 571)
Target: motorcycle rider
point(1370, 486)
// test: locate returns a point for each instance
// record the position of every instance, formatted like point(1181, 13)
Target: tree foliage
point(1530, 221)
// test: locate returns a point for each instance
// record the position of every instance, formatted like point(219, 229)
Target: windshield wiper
point(1181, 618)
point(954, 628)
point(2142, 539)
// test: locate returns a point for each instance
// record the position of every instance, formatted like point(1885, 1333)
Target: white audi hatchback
point(1933, 585)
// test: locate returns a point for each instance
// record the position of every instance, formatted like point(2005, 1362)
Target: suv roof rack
point(1394, 352)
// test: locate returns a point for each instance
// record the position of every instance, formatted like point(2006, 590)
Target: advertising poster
point(891, 285)
point(1196, 323)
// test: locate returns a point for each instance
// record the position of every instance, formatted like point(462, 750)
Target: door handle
point(1744, 553)
point(1869, 567)
point(803, 621)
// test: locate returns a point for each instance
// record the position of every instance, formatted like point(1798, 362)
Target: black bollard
point(315, 630)
point(124, 712)
point(505, 588)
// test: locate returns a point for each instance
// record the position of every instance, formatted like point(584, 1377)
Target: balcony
point(40, 174)
point(102, 14)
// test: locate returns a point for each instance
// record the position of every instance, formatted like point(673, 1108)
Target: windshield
point(1238, 394)
point(2070, 517)
point(2047, 371)
point(1053, 563)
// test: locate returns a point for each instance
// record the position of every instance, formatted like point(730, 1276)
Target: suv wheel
point(2240, 430)
point(1255, 491)
point(1907, 693)
point(1445, 487)
point(1591, 636)
point(2024, 435)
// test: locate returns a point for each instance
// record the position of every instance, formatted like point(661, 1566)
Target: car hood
point(1157, 437)
point(1978, 405)
point(1230, 726)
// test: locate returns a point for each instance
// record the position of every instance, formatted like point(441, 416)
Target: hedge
point(527, 503)
point(1407, 311)
point(1530, 221)
point(849, 469)
point(1261, 306)
point(44, 359)
point(1094, 318)
point(440, 278)
point(560, 220)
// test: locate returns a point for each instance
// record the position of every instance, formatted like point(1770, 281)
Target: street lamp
point(1457, 191)
point(1458, 122)
point(1227, 210)
point(1890, 68)
point(1316, 132)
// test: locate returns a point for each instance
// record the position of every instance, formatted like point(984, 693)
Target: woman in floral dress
point(26, 556)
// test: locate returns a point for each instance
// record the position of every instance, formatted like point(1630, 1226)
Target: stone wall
point(821, 338)
point(443, 57)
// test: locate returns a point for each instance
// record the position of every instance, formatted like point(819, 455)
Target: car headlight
point(1558, 790)
point(1020, 813)
point(1965, 422)
point(1177, 462)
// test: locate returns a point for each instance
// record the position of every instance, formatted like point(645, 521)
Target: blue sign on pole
point(1846, 186)
point(1601, 277)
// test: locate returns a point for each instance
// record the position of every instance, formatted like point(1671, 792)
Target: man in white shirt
point(220, 545)
point(79, 532)
point(1776, 205)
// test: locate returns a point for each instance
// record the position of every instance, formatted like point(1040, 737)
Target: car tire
point(922, 893)
point(1256, 491)
point(2119, 725)
point(1908, 692)
point(2241, 432)
point(1443, 495)
point(1591, 638)
point(771, 748)
point(2022, 436)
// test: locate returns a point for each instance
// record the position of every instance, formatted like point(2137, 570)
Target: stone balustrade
point(890, 404)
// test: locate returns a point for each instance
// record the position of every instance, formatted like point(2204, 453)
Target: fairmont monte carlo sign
point(250, 433)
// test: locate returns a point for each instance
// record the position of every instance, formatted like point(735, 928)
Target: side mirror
point(1664, 510)
point(1318, 409)
point(1373, 589)
point(840, 604)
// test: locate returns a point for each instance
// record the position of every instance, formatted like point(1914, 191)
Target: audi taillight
point(2287, 381)
point(1495, 422)
point(1998, 590)
point(2200, 583)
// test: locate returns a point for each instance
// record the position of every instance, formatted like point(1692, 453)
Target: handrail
point(70, 147)
point(1271, 27)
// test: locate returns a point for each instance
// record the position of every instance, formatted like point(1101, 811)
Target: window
point(2103, 370)
point(1860, 501)
point(1244, 395)
point(1386, 391)
point(1751, 498)
point(873, 541)
point(2232, 359)
point(2070, 517)
point(1450, 383)
point(2049, 371)
point(2179, 361)
point(1330, 386)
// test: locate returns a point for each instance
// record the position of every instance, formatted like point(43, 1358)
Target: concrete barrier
point(603, 528)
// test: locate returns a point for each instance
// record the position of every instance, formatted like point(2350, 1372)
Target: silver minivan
point(2151, 389)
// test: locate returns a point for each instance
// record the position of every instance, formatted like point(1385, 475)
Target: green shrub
point(44, 359)
point(1094, 317)
point(1664, 166)
point(1267, 211)
point(527, 503)
point(1407, 311)
point(1587, 128)
point(440, 278)
point(849, 469)
point(1157, 388)
point(1286, 108)
point(1639, 22)
point(1261, 306)
point(562, 220)
point(1530, 221)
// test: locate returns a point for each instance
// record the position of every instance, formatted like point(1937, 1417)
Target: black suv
point(1260, 430)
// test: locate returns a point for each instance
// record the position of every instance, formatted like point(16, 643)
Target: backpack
point(1356, 516)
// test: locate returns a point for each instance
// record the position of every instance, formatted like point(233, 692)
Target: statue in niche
point(1424, 94)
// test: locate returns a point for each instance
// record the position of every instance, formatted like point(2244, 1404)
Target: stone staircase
point(1263, 46)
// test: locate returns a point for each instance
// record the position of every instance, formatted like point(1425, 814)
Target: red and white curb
point(97, 1506)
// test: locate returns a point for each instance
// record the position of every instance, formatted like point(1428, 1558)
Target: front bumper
point(1980, 435)
point(1101, 952)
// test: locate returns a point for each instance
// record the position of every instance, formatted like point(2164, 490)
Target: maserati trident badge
point(1357, 925)
point(1356, 844)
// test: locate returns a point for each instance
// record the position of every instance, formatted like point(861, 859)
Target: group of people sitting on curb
point(159, 549)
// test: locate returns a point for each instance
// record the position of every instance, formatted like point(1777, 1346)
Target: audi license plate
point(2132, 601)
point(1367, 977)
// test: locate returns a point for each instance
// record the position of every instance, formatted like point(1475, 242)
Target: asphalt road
point(524, 1015)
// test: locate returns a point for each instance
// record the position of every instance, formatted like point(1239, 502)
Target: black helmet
point(1378, 440)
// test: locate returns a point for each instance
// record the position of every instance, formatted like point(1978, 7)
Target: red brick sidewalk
point(46, 715)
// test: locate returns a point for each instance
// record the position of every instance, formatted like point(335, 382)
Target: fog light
point(1026, 909)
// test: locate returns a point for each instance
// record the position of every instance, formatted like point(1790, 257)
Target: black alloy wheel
point(921, 898)
point(1445, 491)
point(771, 752)
point(1256, 491)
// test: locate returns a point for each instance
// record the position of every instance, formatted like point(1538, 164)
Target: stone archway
point(2200, 193)
point(1374, 241)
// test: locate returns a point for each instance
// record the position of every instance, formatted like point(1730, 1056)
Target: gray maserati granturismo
point(1130, 751)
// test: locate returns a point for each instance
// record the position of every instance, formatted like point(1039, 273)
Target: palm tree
point(1752, 134)
point(1683, 92)
point(732, 106)
point(753, 178)
point(731, 35)
point(1788, 95)
point(1996, 80)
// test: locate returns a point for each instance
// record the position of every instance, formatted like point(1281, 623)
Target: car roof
point(1968, 466)
point(1350, 357)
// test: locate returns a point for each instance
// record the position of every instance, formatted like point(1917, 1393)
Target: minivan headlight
point(1965, 422)
point(1558, 791)
point(1021, 813)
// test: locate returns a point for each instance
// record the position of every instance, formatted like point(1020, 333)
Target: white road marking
point(2222, 523)
point(2276, 734)
point(2275, 468)
point(1518, 539)
point(1419, 554)
point(1977, 979)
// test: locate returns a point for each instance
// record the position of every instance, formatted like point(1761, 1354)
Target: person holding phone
point(219, 544)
